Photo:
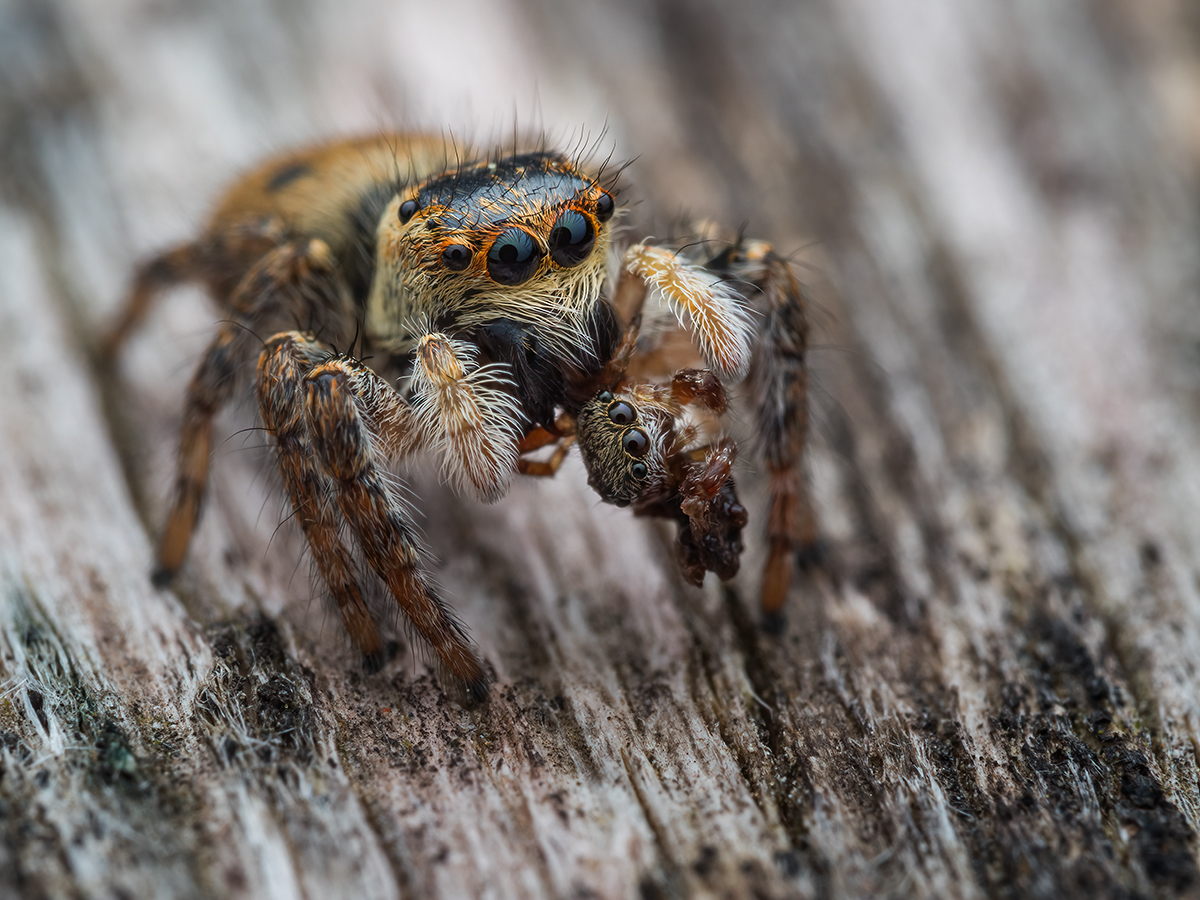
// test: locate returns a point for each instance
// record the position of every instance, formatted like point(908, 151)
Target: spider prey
point(488, 286)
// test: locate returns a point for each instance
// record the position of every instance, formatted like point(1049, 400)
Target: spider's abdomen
point(332, 192)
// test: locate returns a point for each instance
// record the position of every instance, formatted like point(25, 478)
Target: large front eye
point(513, 257)
point(571, 239)
point(622, 413)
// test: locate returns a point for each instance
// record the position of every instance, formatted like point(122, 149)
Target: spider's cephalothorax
point(481, 293)
point(510, 254)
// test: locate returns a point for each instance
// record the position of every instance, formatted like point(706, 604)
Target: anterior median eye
point(513, 257)
point(622, 413)
point(571, 239)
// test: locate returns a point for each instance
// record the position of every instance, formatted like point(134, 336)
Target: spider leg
point(702, 497)
point(298, 277)
point(547, 468)
point(282, 366)
point(355, 422)
point(175, 266)
point(218, 260)
point(779, 386)
point(536, 440)
point(715, 517)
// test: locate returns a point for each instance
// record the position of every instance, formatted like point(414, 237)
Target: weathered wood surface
point(990, 687)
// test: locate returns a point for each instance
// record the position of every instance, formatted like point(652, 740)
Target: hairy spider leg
point(218, 260)
point(296, 277)
point(476, 425)
point(355, 421)
point(175, 266)
point(778, 382)
point(282, 366)
point(703, 303)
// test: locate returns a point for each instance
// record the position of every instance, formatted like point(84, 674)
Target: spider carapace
point(499, 317)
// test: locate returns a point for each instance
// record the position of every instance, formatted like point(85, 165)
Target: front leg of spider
point(703, 496)
point(337, 425)
point(712, 540)
point(282, 367)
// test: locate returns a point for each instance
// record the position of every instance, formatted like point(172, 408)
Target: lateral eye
point(513, 257)
point(408, 209)
point(605, 207)
point(622, 413)
point(571, 239)
point(456, 257)
point(639, 470)
point(635, 442)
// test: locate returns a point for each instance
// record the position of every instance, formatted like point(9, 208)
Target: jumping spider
point(499, 318)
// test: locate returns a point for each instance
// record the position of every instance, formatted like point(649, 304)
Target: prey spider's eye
point(605, 207)
point(513, 257)
point(408, 209)
point(639, 470)
point(635, 442)
point(571, 239)
point(456, 257)
point(622, 413)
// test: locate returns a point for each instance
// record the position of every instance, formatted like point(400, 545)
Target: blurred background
point(989, 687)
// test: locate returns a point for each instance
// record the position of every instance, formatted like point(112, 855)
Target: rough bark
point(988, 687)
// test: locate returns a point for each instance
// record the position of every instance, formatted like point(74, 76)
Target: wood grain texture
point(989, 687)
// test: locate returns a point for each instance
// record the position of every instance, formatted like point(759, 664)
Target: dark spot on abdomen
point(287, 175)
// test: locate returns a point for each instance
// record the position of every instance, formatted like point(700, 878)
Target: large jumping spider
point(494, 288)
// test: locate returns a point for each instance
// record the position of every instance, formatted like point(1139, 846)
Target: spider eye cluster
point(634, 441)
point(522, 240)
point(617, 440)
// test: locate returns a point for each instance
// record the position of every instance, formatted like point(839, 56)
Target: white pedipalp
point(702, 302)
point(473, 422)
